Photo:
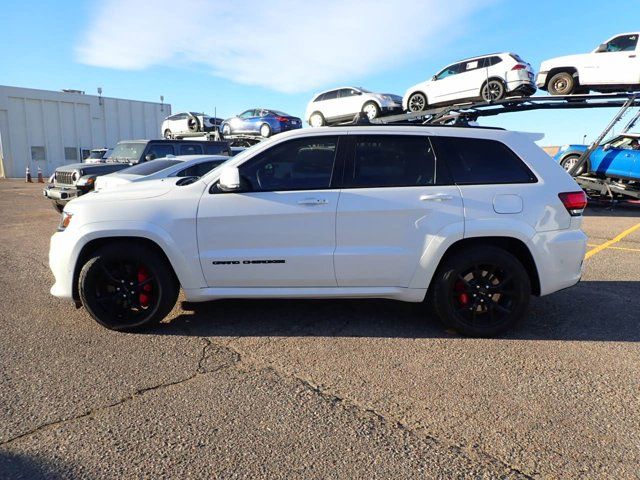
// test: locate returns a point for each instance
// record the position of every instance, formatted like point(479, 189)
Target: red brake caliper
point(463, 297)
point(145, 294)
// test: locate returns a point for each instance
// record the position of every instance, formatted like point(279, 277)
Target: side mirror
point(433, 79)
point(150, 156)
point(229, 180)
point(601, 48)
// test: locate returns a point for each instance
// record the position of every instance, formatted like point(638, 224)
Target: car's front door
point(394, 203)
point(350, 101)
point(616, 158)
point(447, 85)
point(279, 231)
point(618, 64)
point(240, 124)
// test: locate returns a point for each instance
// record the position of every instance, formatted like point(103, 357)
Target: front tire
point(481, 292)
point(265, 130)
point(371, 110)
point(493, 90)
point(417, 102)
point(562, 83)
point(125, 286)
point(226, 129)
point(569, 161)
point(167, 134)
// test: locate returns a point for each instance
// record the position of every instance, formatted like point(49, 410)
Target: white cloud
point(284, 45)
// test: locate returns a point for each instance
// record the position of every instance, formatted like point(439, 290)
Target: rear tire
point(481, 291)
point(493, 90)
point(167, 134)
point(126, 286)
point(226, 129)
point(316, 120)
point(562, 83)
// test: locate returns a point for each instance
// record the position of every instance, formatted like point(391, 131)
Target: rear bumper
point(559, 256)
point(521, 87)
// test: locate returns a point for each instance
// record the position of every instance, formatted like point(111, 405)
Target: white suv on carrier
point(342, 104)
point(475, 220)
point(488, 78)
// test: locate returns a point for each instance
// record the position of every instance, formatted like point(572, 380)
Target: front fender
point(183, 258)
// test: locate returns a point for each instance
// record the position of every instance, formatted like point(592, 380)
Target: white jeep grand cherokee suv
point(475, 220)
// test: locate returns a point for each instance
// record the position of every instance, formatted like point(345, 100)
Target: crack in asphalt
point(200, 370)
point(471, 453)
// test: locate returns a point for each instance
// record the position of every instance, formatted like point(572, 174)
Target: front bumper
point(62, 259)
point(391, 109)
point(541, 79)
point(61, 195)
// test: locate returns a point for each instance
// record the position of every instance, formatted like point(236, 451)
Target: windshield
point(97, 154)
point(625, 143)
point(147, 168)
point(126, 152)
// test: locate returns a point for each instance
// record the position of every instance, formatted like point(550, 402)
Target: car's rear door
point(280, 230)
point(394, 202)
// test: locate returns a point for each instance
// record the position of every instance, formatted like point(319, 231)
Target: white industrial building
point(46, 129)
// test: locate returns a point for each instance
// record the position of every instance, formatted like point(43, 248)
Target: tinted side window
point(304, 164)
point(199, 169)
point(475, 161)
point(623, 43)
point(491, 61)
point(391, 161)
point(330, 95)
point(160, 150)
point(472, 65)
point(216, 149)
point(187, 149)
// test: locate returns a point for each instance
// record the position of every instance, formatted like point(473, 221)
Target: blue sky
point(236, 55)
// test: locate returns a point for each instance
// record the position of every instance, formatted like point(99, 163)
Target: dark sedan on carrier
point(260, 121)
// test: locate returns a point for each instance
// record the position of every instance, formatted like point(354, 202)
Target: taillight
point(282, 119)
point(574, 202)
point(519, 66)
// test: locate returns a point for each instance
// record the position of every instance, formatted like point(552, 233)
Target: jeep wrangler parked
point(71, 181)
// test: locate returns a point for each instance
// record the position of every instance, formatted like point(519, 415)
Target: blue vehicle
point(618, 158)
point(260, 121)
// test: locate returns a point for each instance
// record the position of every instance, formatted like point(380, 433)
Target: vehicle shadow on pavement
point(27, 467)
point(591, 311)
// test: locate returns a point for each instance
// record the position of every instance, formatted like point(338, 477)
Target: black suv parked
point(70, 181)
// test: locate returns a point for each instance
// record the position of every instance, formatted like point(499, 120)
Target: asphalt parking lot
point(318, 389)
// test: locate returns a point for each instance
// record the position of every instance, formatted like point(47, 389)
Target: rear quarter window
point(474, 161)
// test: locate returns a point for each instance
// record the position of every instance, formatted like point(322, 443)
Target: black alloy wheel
point(126, 286)
point(481, 292)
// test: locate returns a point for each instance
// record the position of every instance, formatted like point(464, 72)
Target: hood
point(566, 61)
point(127, 193)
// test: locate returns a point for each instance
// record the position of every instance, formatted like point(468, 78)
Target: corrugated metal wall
point(48, 129)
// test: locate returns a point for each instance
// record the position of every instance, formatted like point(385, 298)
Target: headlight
point(65, 220)
point(85, 181)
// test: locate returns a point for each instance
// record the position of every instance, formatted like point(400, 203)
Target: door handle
point(436, 197)
point(632, 56)
point(313, 201)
